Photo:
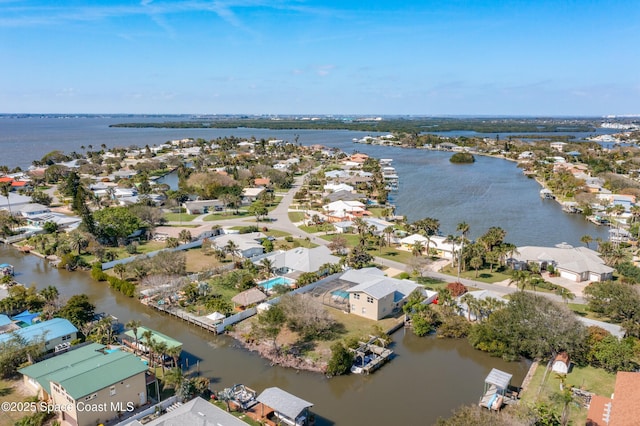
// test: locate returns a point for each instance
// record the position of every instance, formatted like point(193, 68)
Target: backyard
point(595, 380)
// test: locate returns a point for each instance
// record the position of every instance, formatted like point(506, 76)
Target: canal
point(427, 379)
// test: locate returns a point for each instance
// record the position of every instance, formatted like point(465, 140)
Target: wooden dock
point(372, 357)
point(179, 313)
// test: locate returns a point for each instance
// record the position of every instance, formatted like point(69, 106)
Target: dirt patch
point(288, 355)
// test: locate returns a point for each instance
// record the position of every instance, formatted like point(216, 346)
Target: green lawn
point(352, 240)
point(584, 311)
point(121, 252)
point(484, 275)
point(179, 217)
point(401, 256)
point(296, 216)
point(227, 215)
point(591, 379)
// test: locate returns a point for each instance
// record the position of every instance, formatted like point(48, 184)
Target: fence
point(109, 265)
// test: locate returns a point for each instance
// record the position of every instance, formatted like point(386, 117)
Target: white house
point(248, 245)
point(301, 259)
point(344, 209)
point(573, 263)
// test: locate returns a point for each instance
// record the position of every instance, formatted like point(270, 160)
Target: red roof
point(5, 179)
point(19, 183)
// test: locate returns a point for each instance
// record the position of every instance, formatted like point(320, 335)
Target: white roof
point(378, 286)
point(565, 256)
point(303, 259)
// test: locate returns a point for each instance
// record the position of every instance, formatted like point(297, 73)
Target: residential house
point(203, 206)
point(155, 337)
point(90, 376)
point(478, 295)
point(195, 412)
point(573, 263)
point(13, 201)
point(335, 187)
point(301, 259)
point(262, 182)
point(374, 295)
point(622, 409)
point(344, 210)
point(558, 146)
point(54, 332)
point(344, 196)
point(32, 209)
point(249, 195)
point(437, 244)
point(248, 245)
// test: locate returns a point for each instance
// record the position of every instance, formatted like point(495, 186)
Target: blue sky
point(536, 57)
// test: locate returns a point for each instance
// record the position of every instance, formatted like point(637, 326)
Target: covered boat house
point(496, 386)
point(287, 408)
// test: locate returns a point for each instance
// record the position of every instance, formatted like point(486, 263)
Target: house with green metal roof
point(156, 338)
point(91, 384)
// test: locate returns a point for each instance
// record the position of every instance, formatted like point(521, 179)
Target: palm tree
point(120, 269)
point(388, 231)
point(50, 293)
point(173, 379)
point(471, 302)
point(232, 248)
point(267, 266)
point(417, 248)
point(586, 239)
point(133, 325)
point(161, 348)
point(565, 294)
point(77, 241)
point(519, 278)
point(185, 236)
point(475, 262)
point(5, 189)
point(463, 227)
point(174, 353)
point(147, 336)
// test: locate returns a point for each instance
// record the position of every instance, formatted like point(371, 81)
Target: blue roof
point(4, 320)
point(26, 317)
point(52, 329)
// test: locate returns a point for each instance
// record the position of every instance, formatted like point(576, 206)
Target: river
point(427, 379)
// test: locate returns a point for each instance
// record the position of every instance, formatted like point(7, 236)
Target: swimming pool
point(268, 284)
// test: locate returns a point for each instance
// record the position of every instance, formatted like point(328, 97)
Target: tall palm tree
point(133, 325)
point(586, 239)
point(463, 227)
point(147, 336)
point(519, 278)
point(174, 353)
point(417, 248)
point(388, 231)
point(267, 266)
point(5, 189)
point(232, 248)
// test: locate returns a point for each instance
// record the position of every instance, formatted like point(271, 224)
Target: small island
point(462, 158)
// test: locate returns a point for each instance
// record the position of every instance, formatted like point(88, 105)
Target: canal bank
point(427, 378)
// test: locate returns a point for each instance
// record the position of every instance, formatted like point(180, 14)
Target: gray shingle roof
point(283, 402)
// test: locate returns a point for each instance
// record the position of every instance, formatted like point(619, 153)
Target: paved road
point(283, 223)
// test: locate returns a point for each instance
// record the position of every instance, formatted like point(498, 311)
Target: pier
point(179, 313)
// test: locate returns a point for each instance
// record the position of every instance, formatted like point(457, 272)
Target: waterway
point(427, 379)
point(490, 192)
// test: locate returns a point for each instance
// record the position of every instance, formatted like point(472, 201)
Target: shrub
point(341, 360)
point(97, 273)
point(457, 289)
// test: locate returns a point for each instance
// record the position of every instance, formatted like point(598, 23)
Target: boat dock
point(178, 313)
point(369, 357)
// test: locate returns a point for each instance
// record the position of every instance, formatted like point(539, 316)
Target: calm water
point(491, 192)
point(428, 378)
